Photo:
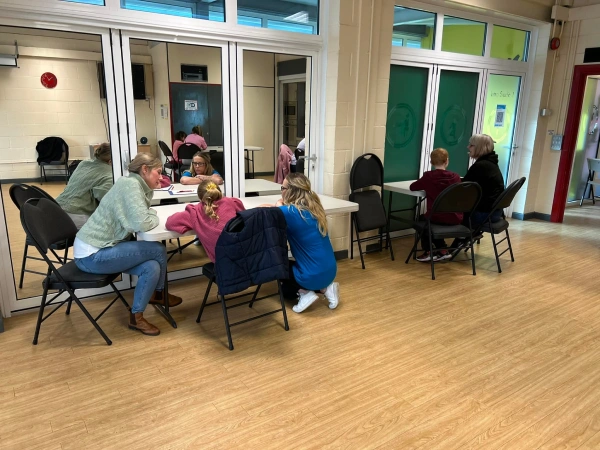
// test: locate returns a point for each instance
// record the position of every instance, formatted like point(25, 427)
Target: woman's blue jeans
point(147, 260)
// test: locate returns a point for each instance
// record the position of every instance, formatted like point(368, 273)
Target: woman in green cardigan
point(87, 186)
point(103, 244)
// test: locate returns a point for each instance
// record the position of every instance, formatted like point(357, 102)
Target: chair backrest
point(251, 250)
point(20, 193)
point(164, 148)
point(186, 152)
point(45, 223)
point(457, 198)
point(218, 162)
point(594, 164)
point(366, 171)
point(505, 199)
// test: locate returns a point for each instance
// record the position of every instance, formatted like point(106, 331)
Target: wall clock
point(49, 80)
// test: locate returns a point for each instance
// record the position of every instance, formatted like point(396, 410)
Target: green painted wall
point(466, 39)
point(508, 43)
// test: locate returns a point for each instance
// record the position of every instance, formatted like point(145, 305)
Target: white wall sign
point(191, 105)
point(500, 115)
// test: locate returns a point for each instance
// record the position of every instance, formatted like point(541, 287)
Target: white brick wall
point(29, 112)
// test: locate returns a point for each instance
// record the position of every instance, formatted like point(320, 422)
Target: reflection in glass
point(298, 17)
point(509, 43)
point(183, 91)
point(587, 142)
point(413, 28)
point(463, 36)
point(74, 110)
point(500, 116)
point(278, 86)
point(213, 10)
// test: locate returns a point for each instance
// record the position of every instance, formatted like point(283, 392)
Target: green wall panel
point(407, 101)
point(455, 116)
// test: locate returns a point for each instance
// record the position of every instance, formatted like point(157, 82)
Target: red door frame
point(567, 154)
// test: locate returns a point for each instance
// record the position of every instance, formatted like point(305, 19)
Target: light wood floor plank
point(492, 361)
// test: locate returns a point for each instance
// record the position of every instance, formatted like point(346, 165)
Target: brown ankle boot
point(137, 322)
point(157, 299)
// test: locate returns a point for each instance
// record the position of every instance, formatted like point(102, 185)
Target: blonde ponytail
point(209, 193)
point(300, 195)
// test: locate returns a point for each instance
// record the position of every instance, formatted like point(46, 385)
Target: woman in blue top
point(201, 170)
point(314, 268)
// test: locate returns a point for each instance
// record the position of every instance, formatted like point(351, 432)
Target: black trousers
point(290, 286)
point(437, 243)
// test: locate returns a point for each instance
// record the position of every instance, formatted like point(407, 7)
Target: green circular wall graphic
point(454, 121)
point(400, 128)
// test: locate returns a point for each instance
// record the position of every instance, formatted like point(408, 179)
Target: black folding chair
point(500, 226)
point(209, 270)
point(186, 153)
point(593, 167)
point(45, 223)
point(19, 194)
point(170, 163)
point(366, 172)
point(60, 166)
point(458, 198)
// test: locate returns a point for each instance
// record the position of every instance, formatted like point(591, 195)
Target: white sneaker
point(304, 301)
point(332, 294)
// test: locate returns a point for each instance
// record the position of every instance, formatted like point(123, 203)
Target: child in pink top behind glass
point(207, 218)
point(196, 138)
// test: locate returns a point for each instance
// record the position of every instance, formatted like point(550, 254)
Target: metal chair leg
point(414, 247)
point(210, 282)
point(472, 254)
point(512, 257)
point(431, 252)
point(351, 236)
point(362, 259)
point(40, 315)
point(90, 318)
point(23, 265)
point(254, 296)
point(496, 253)
point(285, 321)
point(226, 319)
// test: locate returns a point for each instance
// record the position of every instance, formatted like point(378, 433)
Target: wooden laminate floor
point(507, 360)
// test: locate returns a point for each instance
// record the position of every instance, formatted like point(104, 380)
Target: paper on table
point(183, 192)
point(168, 188)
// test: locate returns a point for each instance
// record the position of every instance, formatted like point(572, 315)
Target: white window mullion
point(231, 12)
point(439, 26)
point(129, 100)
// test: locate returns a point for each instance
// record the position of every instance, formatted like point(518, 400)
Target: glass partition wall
point(466, 76)
point(58, 88)
point(136, 89)
point(276, 100)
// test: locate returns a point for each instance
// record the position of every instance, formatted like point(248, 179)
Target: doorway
point(578, 141)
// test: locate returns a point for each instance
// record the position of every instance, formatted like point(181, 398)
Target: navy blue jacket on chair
point(251, 250)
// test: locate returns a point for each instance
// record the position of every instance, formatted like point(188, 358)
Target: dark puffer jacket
point(486, 173)
point(50, 149)
point(252, 250)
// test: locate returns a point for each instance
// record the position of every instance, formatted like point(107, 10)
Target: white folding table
point(403, 187)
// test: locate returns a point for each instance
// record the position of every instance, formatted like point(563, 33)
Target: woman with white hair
point(486, 173)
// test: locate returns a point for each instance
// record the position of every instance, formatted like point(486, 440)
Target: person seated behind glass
point(201, 170)
point(196, 138)
point(87, 186)
point(179, 139)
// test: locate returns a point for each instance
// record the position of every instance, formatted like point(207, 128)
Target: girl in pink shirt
point(207, 218)
point(179, 139)
point(196, 138)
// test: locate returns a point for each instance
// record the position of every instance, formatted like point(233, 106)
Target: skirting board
point(531, 215)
